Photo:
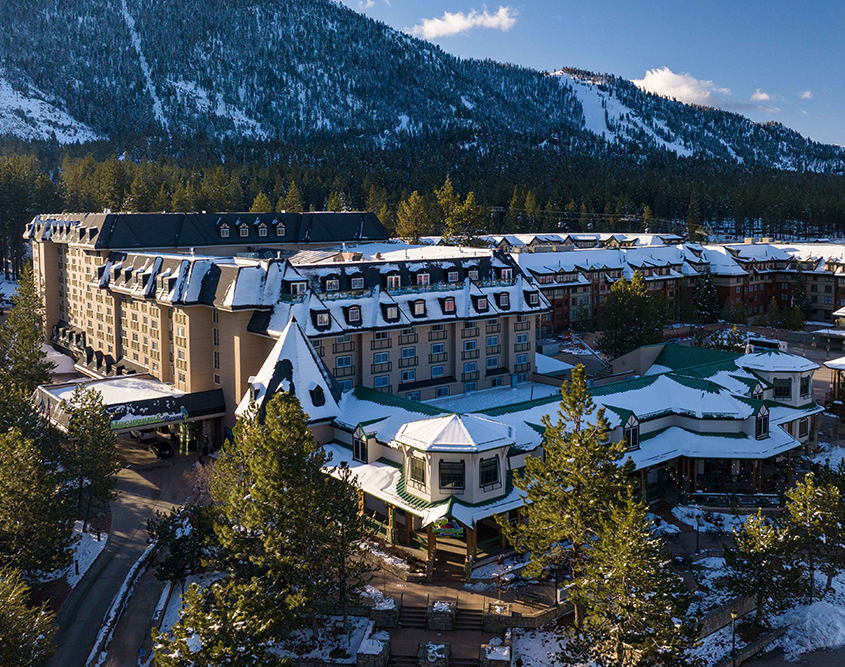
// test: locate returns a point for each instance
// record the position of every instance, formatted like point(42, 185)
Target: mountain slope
point(293, 70)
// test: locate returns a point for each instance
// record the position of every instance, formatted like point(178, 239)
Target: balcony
point(381, 343)
point(344, 372)
point(409, 362)
point(437, 358)
point(522, 347)
point(437, 335)
point(408, 340)
point(493, 349)
point(469, 354)
point(494, 328)
point(420, 289)
point(381, 368)
point(469, 333)
point(521, 368)
point(338, 348)
point(469, 377)
point(522, 326)
point(385, 390)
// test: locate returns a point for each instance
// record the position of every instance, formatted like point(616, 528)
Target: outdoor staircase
point(412, 617)
point(402, 660)
point(469, 620)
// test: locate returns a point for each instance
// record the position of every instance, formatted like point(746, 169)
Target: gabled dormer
point(243, 229)
point(631, 432)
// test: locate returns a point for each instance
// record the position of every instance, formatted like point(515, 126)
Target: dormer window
point(473, 274)
point(243, 230)
point(533, 299)
point(481, 304)
point(322, 319)
point(423, 279)
point(357, 283)
point(280, 229)
point(632, 433)
point(297, 289)
point(394, 282)
point(449, 305)
point(262, 230)
point(419, 308)
point(355, 314)
point(332, 284)
point(761, 429)
point(392, 313)
point(504, 300)
point(359, 449)
point(452, 276)
point(224, 231)
point(488, 473)
point(507, 274)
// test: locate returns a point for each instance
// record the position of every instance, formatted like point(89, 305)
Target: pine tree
point(464, 223)
point(693, 219)
point(226, 624)
point(22, 358)
point(514, 214)
point(734, 340)
point(412, 218)
point(773, 317)
point(36, 526)
point(183, 199)
point(571, 489)
point(261, 204)
point(811, 512)
point(186, 534)
point(448, 200)
point(532, 212)
point(630, 317)
point(162, 201)
point(18, 412)
point(635, 602)
point(293, 200)
point(140, 195)
point(647, 218)
point(706, 300)
point(92, 460)
point(761, 564)
point(833, 545)
point(335, 202)
point(26, 632)
point(799, 293)
point(614, 320)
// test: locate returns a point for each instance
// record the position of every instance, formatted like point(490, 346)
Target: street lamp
point(733, 637)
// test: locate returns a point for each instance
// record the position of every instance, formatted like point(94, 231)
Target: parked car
point(145, 435)
point(161, 449)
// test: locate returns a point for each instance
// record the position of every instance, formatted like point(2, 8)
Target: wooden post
point(470, 557)
point(391, 524)
point(432, 542)
point(409, 527)
point(361, 502)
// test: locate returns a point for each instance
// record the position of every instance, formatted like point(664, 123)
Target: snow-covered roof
point(774, 361)
point(455, 433)
point(118, 389)
point(547, 365)
point(836, 364)
point(294, 366)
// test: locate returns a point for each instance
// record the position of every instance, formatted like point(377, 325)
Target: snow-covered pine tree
point(26, 632)
point(706, 300)
point(762, 564)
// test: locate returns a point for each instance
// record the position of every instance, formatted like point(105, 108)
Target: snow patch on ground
point(380, 600)
point(86, 548)
point(712, 523)
point(820, 625)
point(712, 593)
point(508, 568)
point(831, 453)
point(7, 287)
point(174, 605)
point(332, 642)
point(537, 648)
point(716, 647)
point(390, 559)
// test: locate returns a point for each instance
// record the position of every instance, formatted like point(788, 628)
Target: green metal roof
point(678, 357)
point(519, 407)
point(374, 396)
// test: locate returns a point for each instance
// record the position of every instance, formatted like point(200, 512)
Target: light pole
point(733, 637)
point(697, 533)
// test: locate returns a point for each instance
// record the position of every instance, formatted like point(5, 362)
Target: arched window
point(762, 425)
point(632, 433)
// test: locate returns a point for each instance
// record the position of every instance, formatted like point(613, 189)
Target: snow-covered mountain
point(303, 70)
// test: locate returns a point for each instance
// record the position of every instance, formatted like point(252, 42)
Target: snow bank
point(820, 625)
point(508, 568)
point(86, 548)
point(537, 648)
point(711, 522)
point(64, 363)
point(380, 600)
point(390, 559)
point(331, 640)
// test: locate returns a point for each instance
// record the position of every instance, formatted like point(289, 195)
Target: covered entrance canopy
point(134, 402)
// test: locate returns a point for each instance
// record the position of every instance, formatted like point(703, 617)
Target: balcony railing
point(407, 362)
point(521, 368)
point(493, 349)
point(381, 368)
point(469, 377)
point(344, 372)
point(469, 354)
point(521, 347)
point(343, 347)
point(437, 335)
point(408, 340)
point(437, 358)
point(494, 328)
point(381, 343)
point(419, 289)
point(469, 333)
point(522, 326)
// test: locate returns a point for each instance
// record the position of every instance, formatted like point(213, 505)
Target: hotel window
point(470, 387)
point(343, 362)
point(423, 279)
point(470, 345)
point(522, 358)
point(507, 274)
point(280, 230)
point(215, 315)
point(783, 388)
point(224, 232)
point(481, 304)
point(359, 449)
point(438, 348)
point(449, 306)
point(244, 231)
point(409, 352)
point(438, 371)
point(492, 341)
point(533, 299)
point(441, 392)
point(322, 319)
point(297, 289)
point(632, 433)
point(488, 473)
point(332, 285)
point(381, 381)
point(762, 423)
point(357, 283)
point(262, 231)
point(416, 470)
point(413, 395)
point(392, 312)
point(381, 358)
point(345, 385)
point(394, 282)
point(452, 474)
point(355, 314)
point(473, 274)
point(419, 308)
point(470, 367)
point(436, 327)
point(803, 427)
point(180, 354)
point(504, 300)
point(409, 376)
point(805, 386)
point(216, 377)
point(216, 358)
point(521, 338)
point(492, 362)
point(381, 335)
point(452, 276)
point(215, 336)
point(497, 382)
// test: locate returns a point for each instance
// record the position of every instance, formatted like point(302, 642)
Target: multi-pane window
point(409, 352)
point(492, 341)
point(423, 279)
point(381, 358)
point(409, 375)
point(452, 475)
point(449, 306)
point(482, 304)
point(803, 427)
point(381, 381)
point(504, 300)
point(522, 358)
point(244, 231)
point(343, 362)
point(521, 338)
point(345, 385)
point(216, 376)
point(322, 319)
point(216, 359)
point(359, 449)
point(416, 470)
point(438, 348)
point(488, 472)
point(355, 314)
point(215, 337)
point(392, 312)
point(440, 392)
point(470, 386)
point(470, 345)
point(783, 388)
point(394, 282)
point(438, 371)
point(632, 433)
point(452, 276)
point(419, 307)
point(470, 367)
point(492, 362)
point(381, 335)
point(507, 274)
point(473, 274)
point(357, 283)
point(413, 395)
point(805, 385)
point(262, 231)
point(332, 285)
point(762, 423)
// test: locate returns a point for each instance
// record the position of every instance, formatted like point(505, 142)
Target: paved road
point(814, 659)
point(145, 486)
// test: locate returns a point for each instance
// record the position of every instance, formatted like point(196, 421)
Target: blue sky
point(773, 60)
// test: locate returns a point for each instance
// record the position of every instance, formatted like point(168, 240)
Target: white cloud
point(455, 23)
point(806, 95)
point(684, 87)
